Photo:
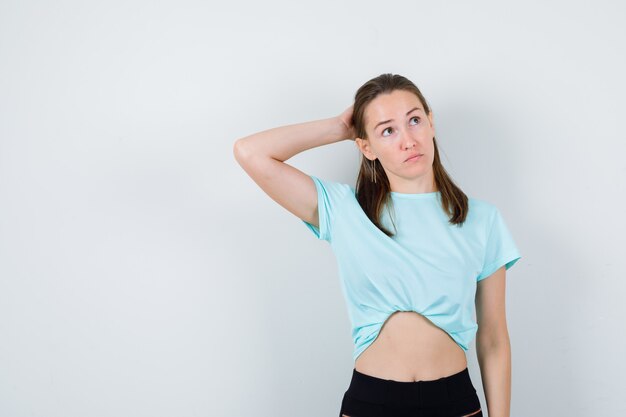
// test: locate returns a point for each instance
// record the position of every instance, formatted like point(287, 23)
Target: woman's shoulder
point(480, 208)
point(480, 203)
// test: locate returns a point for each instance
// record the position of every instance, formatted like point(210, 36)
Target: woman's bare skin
point(409, 347)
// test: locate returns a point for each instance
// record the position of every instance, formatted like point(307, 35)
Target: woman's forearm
point(281, 143)
point(495, 370)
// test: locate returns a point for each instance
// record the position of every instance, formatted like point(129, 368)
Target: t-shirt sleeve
point(500, 247)
point(330, 196)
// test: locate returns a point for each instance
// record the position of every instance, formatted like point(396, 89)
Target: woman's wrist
point(346, 120)
point(344, 132)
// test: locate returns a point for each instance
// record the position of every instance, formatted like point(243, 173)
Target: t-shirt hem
point(508, 260)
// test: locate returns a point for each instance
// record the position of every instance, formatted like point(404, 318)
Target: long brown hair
point(374, 196)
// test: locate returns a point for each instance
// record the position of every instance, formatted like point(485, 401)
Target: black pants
point(450, 396)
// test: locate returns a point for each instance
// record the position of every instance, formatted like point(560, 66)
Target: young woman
point(415, 255)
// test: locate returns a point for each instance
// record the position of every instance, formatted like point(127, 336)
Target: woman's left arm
point(493, 348)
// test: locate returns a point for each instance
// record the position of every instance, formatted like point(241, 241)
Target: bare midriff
point(408, 348)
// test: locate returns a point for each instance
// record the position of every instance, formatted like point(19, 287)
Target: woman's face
point(398, 128)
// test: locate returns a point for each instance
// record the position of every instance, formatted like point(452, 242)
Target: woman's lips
point(414, 158)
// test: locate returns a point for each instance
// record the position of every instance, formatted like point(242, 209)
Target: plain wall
point(143, 273)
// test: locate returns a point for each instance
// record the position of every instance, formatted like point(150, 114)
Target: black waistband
point(420, 393)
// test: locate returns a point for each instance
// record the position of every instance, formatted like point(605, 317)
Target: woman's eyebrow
point(391, 120)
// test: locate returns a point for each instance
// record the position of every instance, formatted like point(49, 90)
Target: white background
point(143, 273)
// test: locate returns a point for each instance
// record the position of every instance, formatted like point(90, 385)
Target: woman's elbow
point(241, 150)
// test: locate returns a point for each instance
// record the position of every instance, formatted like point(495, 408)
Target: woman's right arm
point(263, 155)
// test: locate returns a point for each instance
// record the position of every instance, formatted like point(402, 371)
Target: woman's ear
point(364, 147)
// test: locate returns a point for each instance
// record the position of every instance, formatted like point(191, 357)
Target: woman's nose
point(408, 141)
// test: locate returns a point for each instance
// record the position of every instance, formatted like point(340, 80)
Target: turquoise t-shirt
point(429, 266)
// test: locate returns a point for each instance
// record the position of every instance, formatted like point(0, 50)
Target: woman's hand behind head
point(346, 119)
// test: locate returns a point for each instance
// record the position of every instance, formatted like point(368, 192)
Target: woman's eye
point(388, 129)
point(417, 119)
